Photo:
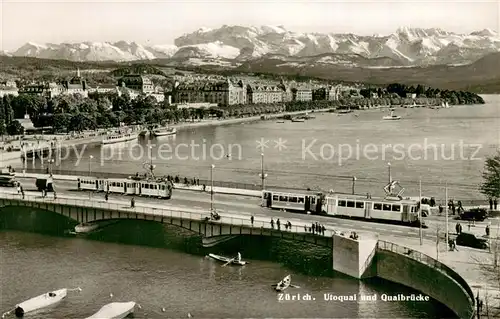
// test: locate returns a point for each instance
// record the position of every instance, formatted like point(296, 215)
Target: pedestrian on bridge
point(106, 196)
point(278, 224)
point(313, 227)
point(132, 202)
point(487, 230)
point(55, 195)
point(272, 223)
point(251, 219)
point(22, 192)
point(289, 225)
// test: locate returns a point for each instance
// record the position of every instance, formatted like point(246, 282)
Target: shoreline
point(187, 125)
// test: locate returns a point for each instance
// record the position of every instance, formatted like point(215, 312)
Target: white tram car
point(389, 209)
point(127, 186)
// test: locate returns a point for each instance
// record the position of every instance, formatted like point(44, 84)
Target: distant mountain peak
point(407, 46)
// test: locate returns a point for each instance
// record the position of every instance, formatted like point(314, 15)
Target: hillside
point(137, 69)
point(482, 72)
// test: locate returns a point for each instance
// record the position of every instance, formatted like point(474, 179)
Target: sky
point(160, 22)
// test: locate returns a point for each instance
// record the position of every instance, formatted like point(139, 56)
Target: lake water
point(438, 146)
point(167, 276)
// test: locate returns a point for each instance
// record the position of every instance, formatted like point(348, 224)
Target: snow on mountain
point(409, 46)
point(207, 50)
point(167, 50)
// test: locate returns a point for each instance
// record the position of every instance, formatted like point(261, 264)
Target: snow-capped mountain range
point(406, 46)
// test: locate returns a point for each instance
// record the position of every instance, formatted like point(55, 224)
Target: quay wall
point(425, 274)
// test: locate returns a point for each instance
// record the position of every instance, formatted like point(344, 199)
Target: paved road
point(236, 205)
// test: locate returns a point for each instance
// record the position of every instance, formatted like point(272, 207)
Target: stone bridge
point(212, 232)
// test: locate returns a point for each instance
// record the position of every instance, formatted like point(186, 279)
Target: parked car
point(477, 214)
point(471, 240)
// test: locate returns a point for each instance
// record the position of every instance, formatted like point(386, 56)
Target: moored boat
point(163, 132)
point(345, 111)
point(39, 302)
point(280, 121)
point(114, 310)
point(284, 283)
point(392, 116)
point(85, 228)
point(297, 120)
point(119, 138)
point(233, 261)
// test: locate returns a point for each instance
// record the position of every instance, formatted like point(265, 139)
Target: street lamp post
point(353, 183)
point(50, 165)
point(262, 174)
point(389, 168)
point(420, 211)
point(90, 172)
point(212, 188)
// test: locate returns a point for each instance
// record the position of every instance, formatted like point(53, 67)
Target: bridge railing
point(259, 221)
point(429, 261)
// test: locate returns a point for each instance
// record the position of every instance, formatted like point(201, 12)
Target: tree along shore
point(66, 113)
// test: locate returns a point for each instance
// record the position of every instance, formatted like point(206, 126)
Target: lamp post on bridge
point(353, 183)
point(50, 161)
point(212, 189)
point(262, 174)
point(90, 172)
point(389, 168)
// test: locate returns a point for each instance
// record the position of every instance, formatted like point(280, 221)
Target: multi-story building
point(302, 93)
point(286, 91)
point(77, 85)
point(48, 90)
point(221, 93)
point(8, 88)
point(137, 82)
point(264, 94)
point(104, 88)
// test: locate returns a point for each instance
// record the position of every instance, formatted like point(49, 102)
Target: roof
point(27, 124)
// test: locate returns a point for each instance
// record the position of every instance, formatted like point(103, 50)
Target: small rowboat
point(43, 301)
point(226, 260)
point(284, 283)
point(114, 310)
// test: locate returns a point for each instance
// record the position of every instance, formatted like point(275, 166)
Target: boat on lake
point(298, 120)
point(163, 131)
point(392, 116)
point(345, 111)
point(283, 284)
point(85, 228)
point(233, 261)
point(119, 138)
point(39, 302)
point(114, 310)
point(280, 121)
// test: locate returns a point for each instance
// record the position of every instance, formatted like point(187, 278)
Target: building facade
point(264, 94)
point(8, 88)
point(302, 94)
point(221, 93)
point(77, 85)
point(137, 82)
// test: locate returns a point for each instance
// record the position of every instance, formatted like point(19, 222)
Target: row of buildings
point(133, 85)
point(231, 92)
point(220, 91)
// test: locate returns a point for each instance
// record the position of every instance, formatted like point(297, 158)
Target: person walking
point(278, 224)
point(132, 202)
point(487, 229)
point(272, 223)
point(251, 219)
point(106, 196)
